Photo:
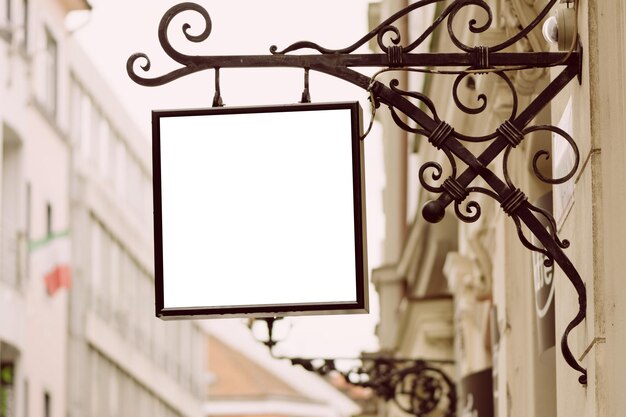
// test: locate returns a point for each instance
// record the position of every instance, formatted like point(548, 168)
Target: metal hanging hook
point(306, 95)
point(217, 98)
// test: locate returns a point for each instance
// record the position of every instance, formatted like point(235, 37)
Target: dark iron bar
point(496, 59)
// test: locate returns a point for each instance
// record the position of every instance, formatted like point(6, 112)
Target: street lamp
point(264, 332)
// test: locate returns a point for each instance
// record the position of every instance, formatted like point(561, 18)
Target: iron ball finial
point(433, 211)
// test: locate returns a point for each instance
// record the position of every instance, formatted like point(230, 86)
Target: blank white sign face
point(259, 211)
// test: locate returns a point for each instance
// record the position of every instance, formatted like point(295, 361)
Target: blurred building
point(471, 291)
point(35, 215)
point(78, 336)
point(78, 333)
point(136, 363)
point(242, 384)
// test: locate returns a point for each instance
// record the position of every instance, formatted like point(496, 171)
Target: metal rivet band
point(512, 201)
point(440, 134)
point(481, 57)
point(395, 56)
point(511, 133)
point(455, 189)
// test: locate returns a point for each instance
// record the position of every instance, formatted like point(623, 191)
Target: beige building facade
point(135, 363)
point(78, 334)
point(34, 249)
point(472, 292)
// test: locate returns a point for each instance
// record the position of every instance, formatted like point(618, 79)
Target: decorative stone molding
point(471, 313)
point(391, 288)
point(520, 13)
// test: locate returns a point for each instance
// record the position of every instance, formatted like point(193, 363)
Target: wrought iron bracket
point(398, 55)
point(417, 386)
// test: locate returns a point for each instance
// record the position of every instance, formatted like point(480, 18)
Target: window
point(114, 397)
point(24, 23)
point(133, 184)
point(29, 197)
point(105, 271)
point(51, 74)
point(25, 397)
point(11, 210)
point(7, 406)
point(121, 163)
point(103, 132)
point(49, 229)
point(94, 383)
point(86, 113)
point(8, 11)
point(112, 155)
point(96, 262)
point(146, 214)
point(116, 279)
point(94, 133)
point(76, 102)
point(28, 226)
point(9, 355)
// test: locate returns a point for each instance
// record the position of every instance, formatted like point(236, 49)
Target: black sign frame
point(359, 305)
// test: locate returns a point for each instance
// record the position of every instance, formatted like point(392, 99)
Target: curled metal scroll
point(459, 5)
point(546, 154)
point(436, 171)
point(422, 98)
point(424, 389)
point(187, 60)
point(449, 14)
point(483, 99)
point(418, 387)
point(547, 217)
point(379, 33)
point(471, 208)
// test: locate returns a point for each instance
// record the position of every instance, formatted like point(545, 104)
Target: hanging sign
point(259, 211)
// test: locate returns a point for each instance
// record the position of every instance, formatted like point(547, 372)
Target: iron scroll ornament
point(417, 386)
point(399, 55)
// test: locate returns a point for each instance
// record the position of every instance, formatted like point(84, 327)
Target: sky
point(115, 29)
